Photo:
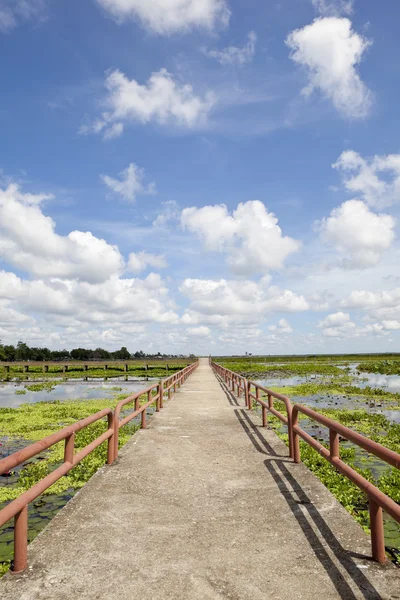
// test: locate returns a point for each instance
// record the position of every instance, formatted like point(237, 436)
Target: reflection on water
point(77, 390)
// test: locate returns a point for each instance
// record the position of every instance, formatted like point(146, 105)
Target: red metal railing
point(377, 499)
point(233, 380)
point(155, 393)
point(18, 508)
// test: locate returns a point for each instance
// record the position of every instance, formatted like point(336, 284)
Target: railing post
point(69, 448)
point(264, 416)
point(334, 444)
point(295, 437)
point(137, 403)
point(116, 433)
point(149, 397)
point(377, 532)
point(246, 392)
point(144, 424)
point(111, 439)
point(20, 541)
point(290, 431)
point(161, 392)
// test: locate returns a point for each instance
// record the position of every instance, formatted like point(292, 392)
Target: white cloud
point(359, 234)
point(170, 16)
point(131, 183)
point(199, 331)
point(340, 331)
point(362, 176)
point(391, 325)
point(223, 303)
point(250, 236)
point(12, 12)
point(282, 327)
point(162, 100)
point(335, 320)
point(117, 302)
point(330, 51)
point(139, 261)
point(170, 214)
point(29, 242)
point(368, 299)
point(234, 55)
point(333, 8)
point(383, 305)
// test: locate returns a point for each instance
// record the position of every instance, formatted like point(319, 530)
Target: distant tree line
point(24, 352)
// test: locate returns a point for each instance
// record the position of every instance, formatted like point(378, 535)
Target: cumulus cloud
point(282, 327)
point(362, 176)
point(29, 242)
point(339, 325)
point(335, 320)
point(234, 55)
point(383, 305)
point(116, 302)
point(330, 51)
point(222, 303)
point(360, 235)
point(13, 12)
point(130, 183)
point(201, 331)
point(333, 8)
point(162, 100)
point(250, 236)
point(369, 299)
point(170, 16)
point(139, 261)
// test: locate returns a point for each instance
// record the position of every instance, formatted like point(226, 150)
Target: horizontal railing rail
point(378, 501)
point(18, 508)
point(253, 393)
point(155, 394)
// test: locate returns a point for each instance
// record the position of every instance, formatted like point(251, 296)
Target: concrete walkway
point(202, 505)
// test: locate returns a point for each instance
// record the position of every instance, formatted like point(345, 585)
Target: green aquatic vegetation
point(342, 359)
point(38, 387)
point(20, 392)
point(337, 387)
point(31, 422)
point(94, 371)
point(385, 367)
point(389, 483)
point(4, 567)
point(254, 368)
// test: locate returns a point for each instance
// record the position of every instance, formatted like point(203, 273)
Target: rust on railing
point(18, 508)
point(377, 499)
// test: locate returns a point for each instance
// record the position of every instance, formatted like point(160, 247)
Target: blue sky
point(200, 175)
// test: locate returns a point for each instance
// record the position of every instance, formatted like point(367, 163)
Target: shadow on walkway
point(305, 512)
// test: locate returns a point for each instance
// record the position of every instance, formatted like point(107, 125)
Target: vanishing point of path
point(202, 505)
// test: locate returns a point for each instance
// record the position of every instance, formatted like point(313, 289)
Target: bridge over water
point(203, 504)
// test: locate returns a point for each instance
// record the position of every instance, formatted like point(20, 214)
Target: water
point(71, 390)
point(379, 381)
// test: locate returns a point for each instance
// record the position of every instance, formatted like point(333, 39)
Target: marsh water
point(12, 394)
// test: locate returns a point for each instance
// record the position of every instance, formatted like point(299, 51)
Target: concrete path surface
point(203, 505)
